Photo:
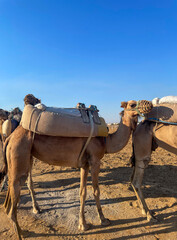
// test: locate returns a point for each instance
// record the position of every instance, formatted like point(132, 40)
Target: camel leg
point(7, 202)
point(3, 183)
point(95, 169)
point(11, 201)
point(83, 192)
point(36, 208)
point(142, 148)
point(137, 179)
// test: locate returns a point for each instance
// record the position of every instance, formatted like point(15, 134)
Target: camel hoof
point(84, 227)
point(130, 188)
point(25, 233)
point(144, 212)
point(105, 222)
point(151, 218)
point(36, 210)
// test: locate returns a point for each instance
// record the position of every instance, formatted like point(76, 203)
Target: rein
point(160, 121)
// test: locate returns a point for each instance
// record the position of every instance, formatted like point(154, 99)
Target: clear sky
point(97, 52)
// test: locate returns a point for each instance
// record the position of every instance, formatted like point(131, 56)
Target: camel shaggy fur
point(20, 148)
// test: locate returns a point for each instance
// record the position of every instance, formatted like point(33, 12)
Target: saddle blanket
point(60, 122)
point(164, 111)
point(166, 99)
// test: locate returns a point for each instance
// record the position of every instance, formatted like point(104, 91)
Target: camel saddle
point(163, 112)
point(64, 122)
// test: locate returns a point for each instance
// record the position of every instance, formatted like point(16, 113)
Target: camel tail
point(4, 169)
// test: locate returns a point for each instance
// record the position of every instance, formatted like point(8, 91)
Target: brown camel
point(63, 151)
point(146, 138)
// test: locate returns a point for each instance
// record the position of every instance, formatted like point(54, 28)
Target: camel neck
point(119, 139)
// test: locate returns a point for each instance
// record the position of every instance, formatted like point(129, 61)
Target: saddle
point(64, 122)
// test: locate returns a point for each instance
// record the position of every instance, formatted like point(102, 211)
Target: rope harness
point(88, 139)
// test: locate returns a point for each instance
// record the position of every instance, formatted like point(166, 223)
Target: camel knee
point(138, 172)
point(146, 162)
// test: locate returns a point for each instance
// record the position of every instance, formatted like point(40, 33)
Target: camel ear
point(123, 104)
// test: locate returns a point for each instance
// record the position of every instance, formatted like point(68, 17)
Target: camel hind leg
point(83, 192)
point(95, 169)
point(4, 183)
point(36, 208)
point(11, 201)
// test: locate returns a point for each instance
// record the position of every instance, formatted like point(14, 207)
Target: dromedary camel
point(20, 147)
point(10, 121)
point(146, 138)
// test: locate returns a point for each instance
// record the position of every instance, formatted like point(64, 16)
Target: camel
point(147, 137)
point(20, 147)
point(10, 121)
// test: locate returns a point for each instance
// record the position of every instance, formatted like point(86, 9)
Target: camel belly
point(61, 151)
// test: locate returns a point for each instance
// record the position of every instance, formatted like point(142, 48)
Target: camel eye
point(133, 105)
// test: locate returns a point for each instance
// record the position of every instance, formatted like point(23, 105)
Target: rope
point(37, 121)
point(89, 138)
point(161, 121)
point(36, 124)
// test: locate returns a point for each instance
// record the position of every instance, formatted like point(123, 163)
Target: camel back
point(60, 122)
point(165, 112)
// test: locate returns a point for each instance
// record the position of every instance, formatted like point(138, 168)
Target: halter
point(136, 109)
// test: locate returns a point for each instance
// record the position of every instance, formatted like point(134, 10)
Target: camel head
point(31, 99)
point(3, 114)
point(129, 114)
point(134, 109)
point(130, 108)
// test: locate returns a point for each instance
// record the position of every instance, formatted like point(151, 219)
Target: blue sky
point(98, 52)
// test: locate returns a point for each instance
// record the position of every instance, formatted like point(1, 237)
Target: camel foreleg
point(96, 192)
point(136, 181)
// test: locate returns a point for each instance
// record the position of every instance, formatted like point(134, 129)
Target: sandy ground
point(57, 192)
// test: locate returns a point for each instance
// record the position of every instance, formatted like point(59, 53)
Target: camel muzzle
point(142, 107)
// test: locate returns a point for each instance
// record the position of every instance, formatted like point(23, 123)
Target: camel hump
point(66, 122)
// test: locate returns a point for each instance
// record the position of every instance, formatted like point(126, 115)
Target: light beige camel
point(147, 137)
point(63, 151)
